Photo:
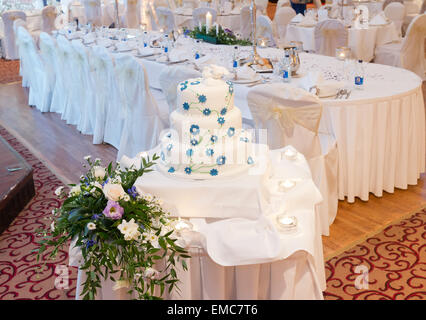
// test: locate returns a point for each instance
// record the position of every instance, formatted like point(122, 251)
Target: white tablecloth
point(361, 41)
point(242, 257)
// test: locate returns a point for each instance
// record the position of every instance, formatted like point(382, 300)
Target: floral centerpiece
point(122, 234)
point(216, 35)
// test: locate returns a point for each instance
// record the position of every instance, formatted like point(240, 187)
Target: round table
point(361, 41)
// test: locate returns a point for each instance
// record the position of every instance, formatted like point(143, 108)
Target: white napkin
point(205, 61)
point(74, 35)
point(146, 51)
point(104, 42)
point(308, 21)
point(379, 19)
point(326, 88)
point(246, 73)
point(125, 46)
point(322, 14)
point(178, 54)
point(298, 18)
point(89, 38)
point(162, 58)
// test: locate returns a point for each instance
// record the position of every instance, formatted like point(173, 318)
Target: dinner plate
point(246, 81)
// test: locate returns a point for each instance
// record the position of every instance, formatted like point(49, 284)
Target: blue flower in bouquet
point(188, 170)
point(186, 32)
point(202, 98)
point(132, 192)
point(90, 243)
point(194, 142)
point(113, 210)
point(223, 111)
point(221, 120)
point(189, 152)
point(195, 129)
point(96, 216)
point(231, 132)
point(209, 152)
point(185, 106)
point(221, 160)
point(213, 138)
point(207, 112)
point(213, 172)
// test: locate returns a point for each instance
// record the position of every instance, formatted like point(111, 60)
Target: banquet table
point(235, 255)
point(380, 130)
point(361, 41)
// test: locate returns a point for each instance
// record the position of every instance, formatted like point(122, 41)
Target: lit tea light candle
point(262, 43)
point(286, 185)
point(182, 225)
point(286, 222)
point(342, 53)
point(161, 30)
point(290, 154)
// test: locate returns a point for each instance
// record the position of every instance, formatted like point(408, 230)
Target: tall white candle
point(217, 29)
point(208, 20)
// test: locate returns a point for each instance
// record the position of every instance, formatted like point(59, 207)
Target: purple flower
point(132, 192)
point(96, 216)
point(89, 243)
point(113, 210)
point(226, 30)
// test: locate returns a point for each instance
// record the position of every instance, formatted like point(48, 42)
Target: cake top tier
point(205, 96)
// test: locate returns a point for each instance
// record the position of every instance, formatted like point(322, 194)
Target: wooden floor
point(62, 148)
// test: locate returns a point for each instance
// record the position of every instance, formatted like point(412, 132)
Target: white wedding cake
point(206, 138)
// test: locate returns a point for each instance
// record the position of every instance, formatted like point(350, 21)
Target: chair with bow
point(107, 98)
point(261, 6)
point(10, 51)
point(166, 19)
point(295, 117)
point(49, 57)
point(48, 17)
point(409, 53)
point(132, 16)
point(189, 4)
point(23, 70)
point(387, 2)
point(199, 15)
point(330, 34)
point(282, 18)
point(395, 12)
point(264, 29)
point(169, 80)
point(142, 121)
point(245, 22)
point(93, 12)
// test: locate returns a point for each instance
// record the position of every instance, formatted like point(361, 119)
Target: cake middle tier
point(205, 97)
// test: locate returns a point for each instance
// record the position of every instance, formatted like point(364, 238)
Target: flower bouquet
point(217, 36)
point(123, 234)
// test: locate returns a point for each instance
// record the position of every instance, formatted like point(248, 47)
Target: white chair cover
point(107, 98)
point(261, 6)
point(49, 56)
point(109, 14)
point(22, 70)
point(48, 17)
point(283, 3)
point(395, 11)
point(60, 96)
point(8, 42)
point(408, 54)
point(282, 18)
point(170, 79)
point(61, 21)
point(330, 34)
point(93, 12)
point(142, 121)
point(161, 3)
point(264, 29)
point(189, 4)
point(411, 7)
point(133, 13)
point(199, 15)
point(166, 19)
point(292, 116)
point(76, 11)
point(84, 89)
point(387, 2)
point(423, 8)
point(245, 22)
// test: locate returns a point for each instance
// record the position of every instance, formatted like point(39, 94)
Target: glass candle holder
point(286, 223)
point(297, 44)
point(343, 53)
point(290, 154)
point(286, 185)
point(182, 225)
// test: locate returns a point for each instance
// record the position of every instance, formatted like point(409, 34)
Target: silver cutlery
point(348, 94)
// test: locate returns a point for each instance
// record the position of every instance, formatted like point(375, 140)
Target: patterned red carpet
point(9, 71)
point(395, 259)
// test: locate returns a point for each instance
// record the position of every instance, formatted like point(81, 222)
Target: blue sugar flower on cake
point(169, 147)
point(188, 170)
point(195, 129)
point(207, 112)
point(221, 120)
point(223, 111)
point(213, 139)
point(209, 152)
point(183, 85)
point(202, 98)
point(163, 156)
point(245, 139)
point(195, 83)
point(221, 160)
point(189, 152)
point(231, 132)
point(213, 172)
point(171, 170)
point(194, 142)
point(185, 106)
point(250, 160)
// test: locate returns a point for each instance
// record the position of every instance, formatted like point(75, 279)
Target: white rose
point(150, 273)
point(91, 226)
point(52, 226)
point(126, 198)
point(59, 190)
point(98, 172)
point(76, 190)
point(113, 191)
point(129, 230)
point(88, 157)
